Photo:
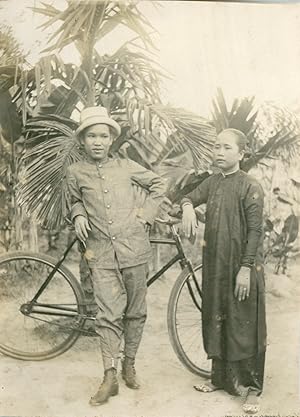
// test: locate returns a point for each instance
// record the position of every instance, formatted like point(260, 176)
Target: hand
point(242, 286)
point(82, 227)
point(189, 220)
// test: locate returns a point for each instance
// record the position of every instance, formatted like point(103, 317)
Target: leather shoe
point(108, 388)
point(129, 374)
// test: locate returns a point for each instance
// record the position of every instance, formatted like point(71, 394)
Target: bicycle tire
point(21, 274)
point(194, 360)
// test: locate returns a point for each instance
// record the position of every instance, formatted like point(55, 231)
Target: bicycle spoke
point(184, 314)
point(187, 326)
point(51, 326)
point(191, 338)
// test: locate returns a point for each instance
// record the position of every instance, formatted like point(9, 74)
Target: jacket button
point(108, 206)
point(110, 221)
point(100, 165)
point(106, 191)
point(103, 177)
point(113, 238)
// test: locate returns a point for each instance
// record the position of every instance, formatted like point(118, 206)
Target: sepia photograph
point(149, 208)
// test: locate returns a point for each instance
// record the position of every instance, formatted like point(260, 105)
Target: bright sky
point(247, 49)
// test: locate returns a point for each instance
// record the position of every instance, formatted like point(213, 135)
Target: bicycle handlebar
point(170, 221)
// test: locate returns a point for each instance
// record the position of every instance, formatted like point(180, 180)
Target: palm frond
point(158, 130)
point(127, 83)
point(10, 50)
point(83, 20)
point(189, 131)
point(180, 176)
point(241, 116)
point(276, 135)
point(49, 83)
point(161, 130)
point(272, 131)
point(280, 125)
point(127, 74)
point(50, 149)
point(11, 58)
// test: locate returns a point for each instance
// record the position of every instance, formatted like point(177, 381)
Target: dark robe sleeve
point(253, 204)
point(199, 195)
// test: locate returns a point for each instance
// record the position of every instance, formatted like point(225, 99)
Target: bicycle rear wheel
point(185, 325)
point(53, 330)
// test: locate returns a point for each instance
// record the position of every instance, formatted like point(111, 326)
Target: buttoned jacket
point(104, 192)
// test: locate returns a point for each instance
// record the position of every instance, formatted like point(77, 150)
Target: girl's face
point(226, 152)
point(96, 141)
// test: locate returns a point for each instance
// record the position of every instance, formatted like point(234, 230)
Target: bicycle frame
point(32, 306)
point(179, 257)
point(62, 310)
point(183, 261)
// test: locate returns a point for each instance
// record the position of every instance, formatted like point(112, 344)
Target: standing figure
point(117, 247)
point(233, 309)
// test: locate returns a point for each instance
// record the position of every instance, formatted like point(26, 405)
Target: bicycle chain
point(85, 332)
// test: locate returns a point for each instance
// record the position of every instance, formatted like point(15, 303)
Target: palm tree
point(127, 83)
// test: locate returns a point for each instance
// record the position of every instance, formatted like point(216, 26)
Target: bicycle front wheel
point(52, 325)
point(185, 324)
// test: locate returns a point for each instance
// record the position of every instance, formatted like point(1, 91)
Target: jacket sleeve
point(199, 195)
point(156, 189)
point(253, 204)
point(77, 206)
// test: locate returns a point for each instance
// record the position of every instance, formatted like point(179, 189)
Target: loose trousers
point(239, 377)
point(121, 299)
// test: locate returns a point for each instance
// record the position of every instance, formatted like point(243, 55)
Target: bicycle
point(45, 311)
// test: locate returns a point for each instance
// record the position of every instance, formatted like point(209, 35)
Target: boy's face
point(96, 141)
point(226, 152)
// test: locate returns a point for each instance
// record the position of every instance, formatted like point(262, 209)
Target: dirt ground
point(63, 386)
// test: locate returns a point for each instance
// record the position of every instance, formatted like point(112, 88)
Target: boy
point(233, 310)
point(113, 231)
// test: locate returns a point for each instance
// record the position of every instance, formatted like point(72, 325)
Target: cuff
point(247, 265)
point(185, 201)
point(78, 211)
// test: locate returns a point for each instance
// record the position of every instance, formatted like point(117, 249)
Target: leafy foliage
point(191, 132)
point(124, 75)
point(180, 175)
point(10, 56)
point(277, 132)
point(51, 148)
point(272, 131)
point(10, 51)
point(82, 20)
point(85, 22)
point(241, 116)
point(127, 83)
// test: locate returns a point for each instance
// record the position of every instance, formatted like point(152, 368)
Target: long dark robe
point(233, 330)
